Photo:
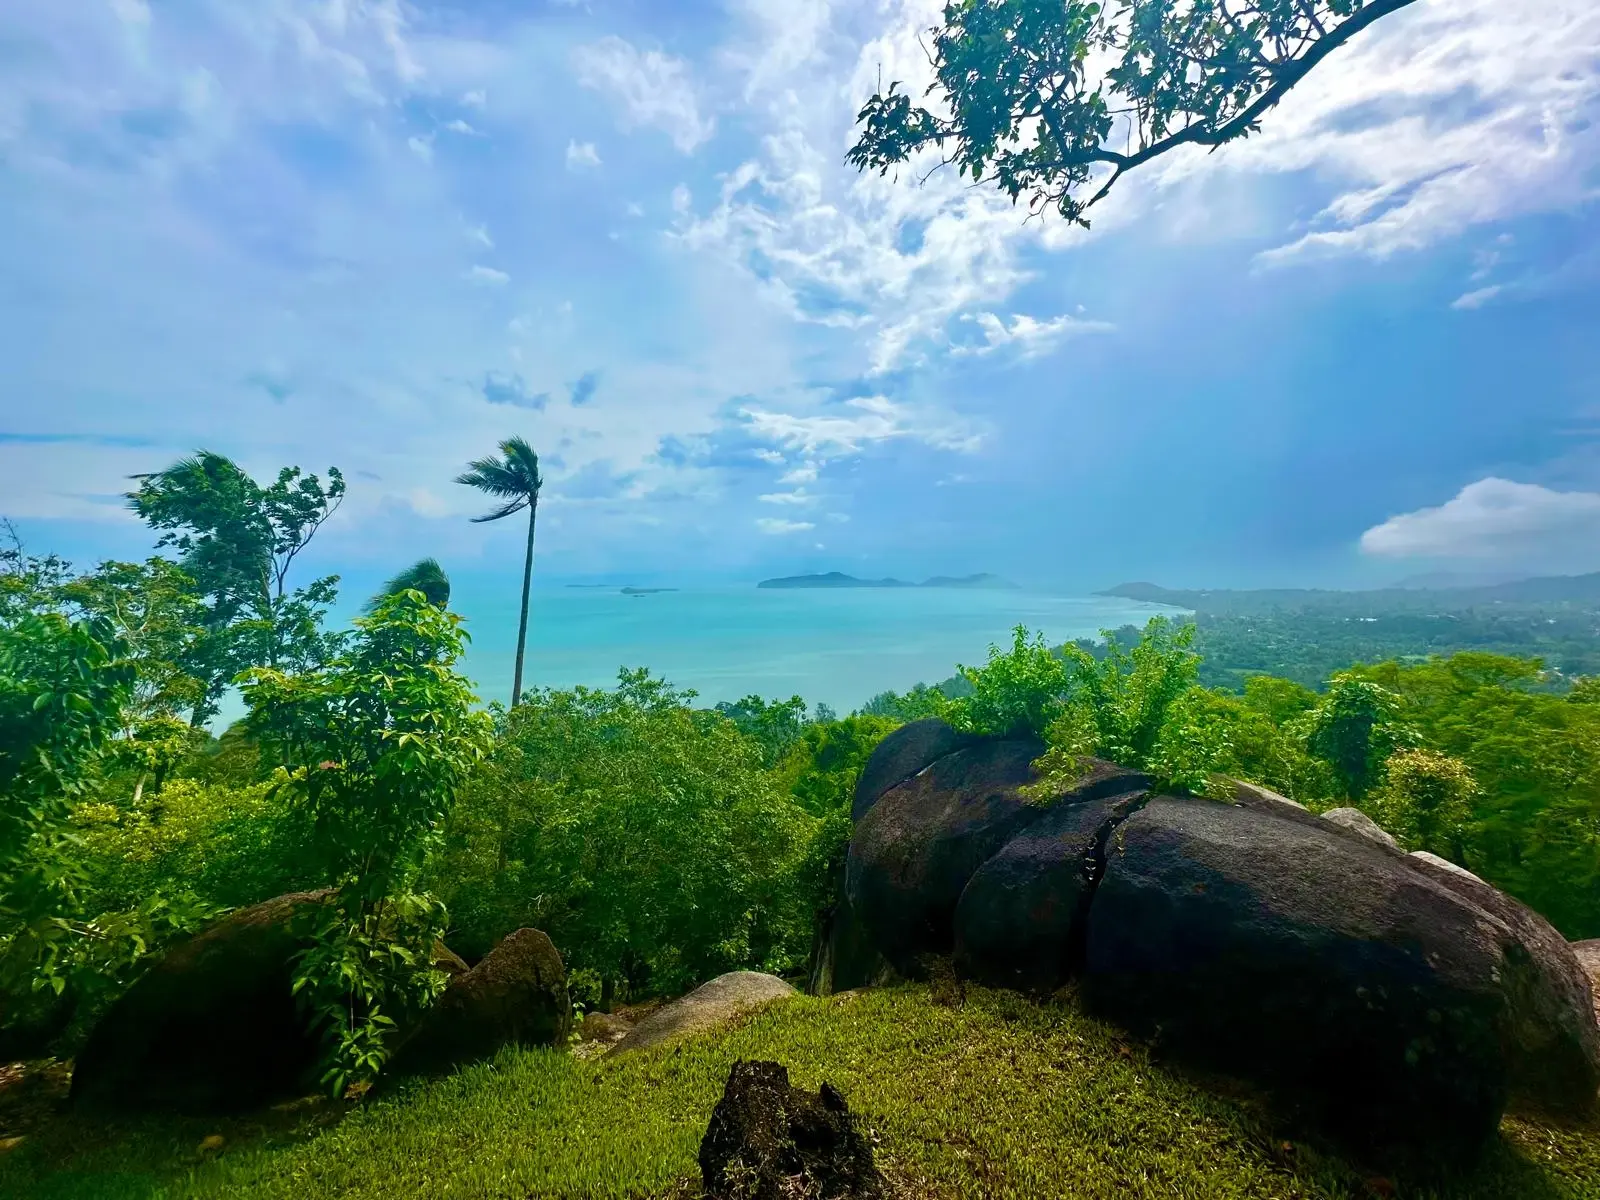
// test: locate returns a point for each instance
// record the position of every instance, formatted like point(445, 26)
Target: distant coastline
point(838, 579)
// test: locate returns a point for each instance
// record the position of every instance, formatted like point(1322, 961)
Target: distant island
point(838, 579)
point(639, 591)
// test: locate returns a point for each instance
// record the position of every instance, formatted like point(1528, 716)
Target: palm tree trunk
point(522, 625)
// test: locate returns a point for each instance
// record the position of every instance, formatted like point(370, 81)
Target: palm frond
point(505, 510)
point(514, 478)
point(425, 576)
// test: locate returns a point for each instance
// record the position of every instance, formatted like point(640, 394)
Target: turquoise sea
point(839, 647)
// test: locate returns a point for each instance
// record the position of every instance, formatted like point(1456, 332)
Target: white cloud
point(1477, 298)
point(480, 235)
point(460, 126)
point(476, 98)
point(869, 420)
point(776, 525)
point(479, 273)
point(1028, 336)
point(422, 147)
point(795, 497)
point(581, 155)
point(1442, 117)
point(1495, 518)
point(653, 89)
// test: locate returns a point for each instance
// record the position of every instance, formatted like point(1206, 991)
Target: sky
point(1361, 346)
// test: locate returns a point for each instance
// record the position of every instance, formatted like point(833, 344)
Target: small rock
point(710, 1006)
point(768, 1140)
point(1357, 821)
point(212, 1143)
point(7, 1145)
point(604, 1027)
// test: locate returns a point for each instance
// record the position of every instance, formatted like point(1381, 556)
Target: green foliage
point(63, 687)
point(426, 576)
point(237, 541)
point(375, 746)
point(1426, 801)
point(1031, 111)
point(644, 836)
point(775, 725)
point(1354, 728)
point(1018, 691)
point(230, 845)
point(921, 701)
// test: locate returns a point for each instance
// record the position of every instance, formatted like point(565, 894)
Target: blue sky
point(1359, 347)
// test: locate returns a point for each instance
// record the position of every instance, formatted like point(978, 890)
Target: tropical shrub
point(374, 747)
point(644, 836)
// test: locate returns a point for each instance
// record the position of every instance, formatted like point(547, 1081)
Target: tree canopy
point(1057, 101)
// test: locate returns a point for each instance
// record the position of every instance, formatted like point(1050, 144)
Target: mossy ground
point(994, 1096)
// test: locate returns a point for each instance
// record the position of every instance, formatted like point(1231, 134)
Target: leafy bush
point(645, 837)
point(375, 746)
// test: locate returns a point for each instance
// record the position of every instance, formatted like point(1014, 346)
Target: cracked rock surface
point(1401, 1004)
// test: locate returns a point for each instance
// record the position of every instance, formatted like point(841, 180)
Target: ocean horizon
point(836, 646)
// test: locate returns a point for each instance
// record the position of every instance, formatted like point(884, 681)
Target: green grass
point(998, 1097)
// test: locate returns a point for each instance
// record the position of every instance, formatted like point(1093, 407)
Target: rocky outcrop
point(768, 1140)
point(1310, 961)
point(916, 848)
point(212, 1026)
point(903, 754)
point(1022, 918)
point(710, 1006)
point(1401, 998)
point(517, 995)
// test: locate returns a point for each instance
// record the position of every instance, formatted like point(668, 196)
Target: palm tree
point(425, 576)
point(515, 481)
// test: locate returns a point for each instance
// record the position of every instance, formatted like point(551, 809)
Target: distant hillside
point(1565, 590)
point(838, 579)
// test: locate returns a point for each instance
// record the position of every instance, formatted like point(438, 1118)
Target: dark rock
point(768, 1140)
point(212, 1026)
point(1314, 960)
point(1554, 1045)
point(916, 848)
point(516, 996)
point(710, 1006)
point(845, 957)
point(1021, 919)
point(901, 755)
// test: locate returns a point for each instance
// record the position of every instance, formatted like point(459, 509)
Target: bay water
point(835, 646)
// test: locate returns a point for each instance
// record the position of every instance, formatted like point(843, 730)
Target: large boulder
point(517, 995)
point(1021, 919)
point(916, 848)
point(903, 754)
point(710, 1006)
point(212, 1026)
point(1314, 960)
point(768, 1140)
point(1554, 1050)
